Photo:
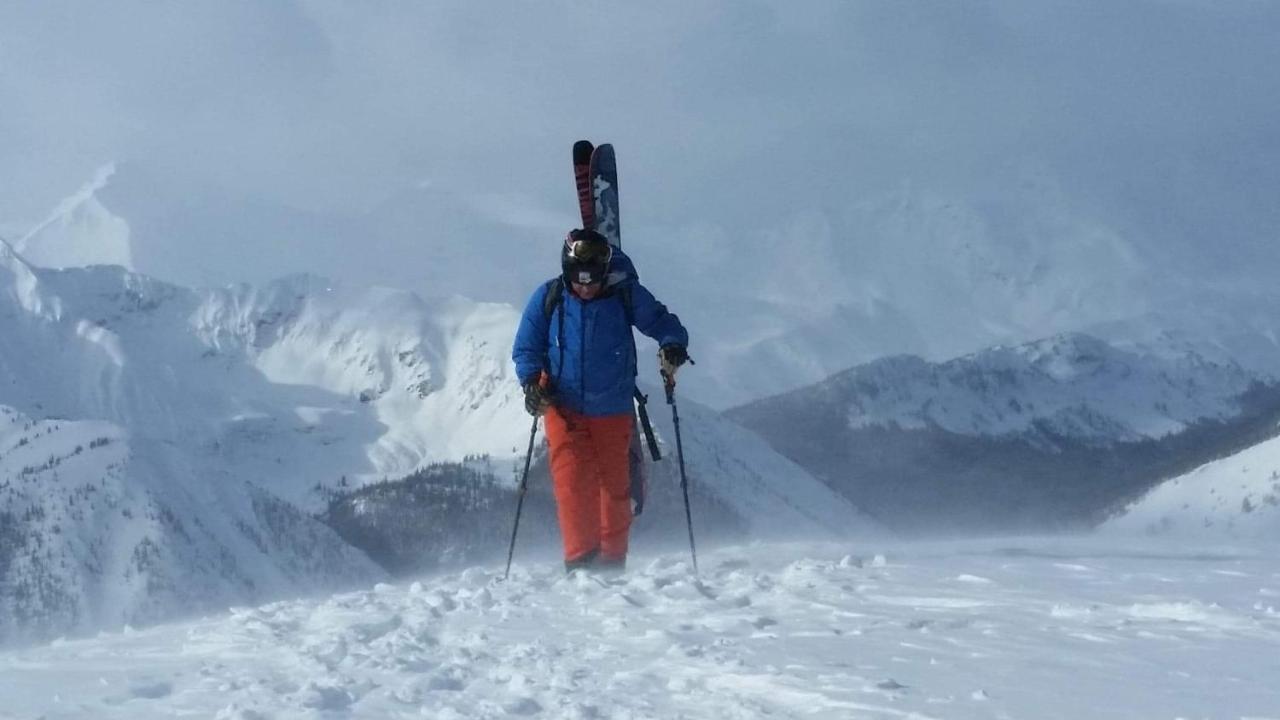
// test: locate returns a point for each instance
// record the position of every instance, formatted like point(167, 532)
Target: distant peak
point(80, 231)
point(70, 203)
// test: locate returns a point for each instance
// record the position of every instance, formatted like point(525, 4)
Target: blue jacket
point(586, 346)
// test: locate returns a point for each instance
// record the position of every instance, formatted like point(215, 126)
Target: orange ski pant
point(590, 475)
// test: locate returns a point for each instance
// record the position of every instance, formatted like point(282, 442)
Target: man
point(575, 357)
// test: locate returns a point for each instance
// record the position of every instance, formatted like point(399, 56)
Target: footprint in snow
point(329, 653)
point(704, 590)
point(891, 685)
point(446, 681)
point(150, 689)
point(522, 706)
point(325, 697)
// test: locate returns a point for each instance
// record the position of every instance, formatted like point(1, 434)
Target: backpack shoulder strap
point(553, 299)
point(555, 293)
point(625, 291)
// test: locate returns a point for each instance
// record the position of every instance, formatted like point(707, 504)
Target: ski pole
point(524, 485)
point(669, 382)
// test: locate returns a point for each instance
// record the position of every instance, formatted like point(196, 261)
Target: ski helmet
point(585, 257)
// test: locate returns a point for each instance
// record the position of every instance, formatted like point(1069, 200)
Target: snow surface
point(1016, 628)
point(1236, 497)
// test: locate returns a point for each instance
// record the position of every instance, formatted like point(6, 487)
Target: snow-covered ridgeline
point(434, 376)
point(1072, 385)
point(1048, 434)
point(392, 380)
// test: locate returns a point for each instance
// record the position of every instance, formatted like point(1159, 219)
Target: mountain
point(1236, 497)
point(1046, 434)
point(226, 409)
point(234, 415)
point(99, 531)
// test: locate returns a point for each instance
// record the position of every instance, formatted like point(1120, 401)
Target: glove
point(536, 398)
point(672, 357)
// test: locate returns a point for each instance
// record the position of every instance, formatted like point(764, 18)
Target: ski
point(582, 177)
point(604, 190)
point(595, 172)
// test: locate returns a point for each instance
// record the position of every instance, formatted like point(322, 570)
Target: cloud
point(734, 120)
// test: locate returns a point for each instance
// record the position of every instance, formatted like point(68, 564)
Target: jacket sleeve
point(530, 349)
point(653, 319)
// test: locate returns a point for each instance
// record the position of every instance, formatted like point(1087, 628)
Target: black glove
point(674, 355)
point(536, 398)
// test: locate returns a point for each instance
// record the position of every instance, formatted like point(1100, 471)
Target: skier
point(575, 357)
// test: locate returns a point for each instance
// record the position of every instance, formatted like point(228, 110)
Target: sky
point(426, 145)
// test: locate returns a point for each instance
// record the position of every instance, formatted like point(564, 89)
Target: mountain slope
point(1234, 497)
point(1043, 434)
point(100, 532)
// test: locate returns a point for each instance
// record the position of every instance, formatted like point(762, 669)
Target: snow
point(1042, 628)
point(1235, 497)
point(1079, 386)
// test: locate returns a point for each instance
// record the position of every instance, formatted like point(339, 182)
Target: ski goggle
point(592, 251)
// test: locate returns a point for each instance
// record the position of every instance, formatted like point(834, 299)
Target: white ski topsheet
point(1014, 628)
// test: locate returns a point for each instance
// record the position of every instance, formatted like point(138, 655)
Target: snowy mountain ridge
point(1049, 434)
point(1072, 385)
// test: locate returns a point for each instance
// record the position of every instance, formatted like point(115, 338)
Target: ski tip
point(603, 157)
point(582, 152)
